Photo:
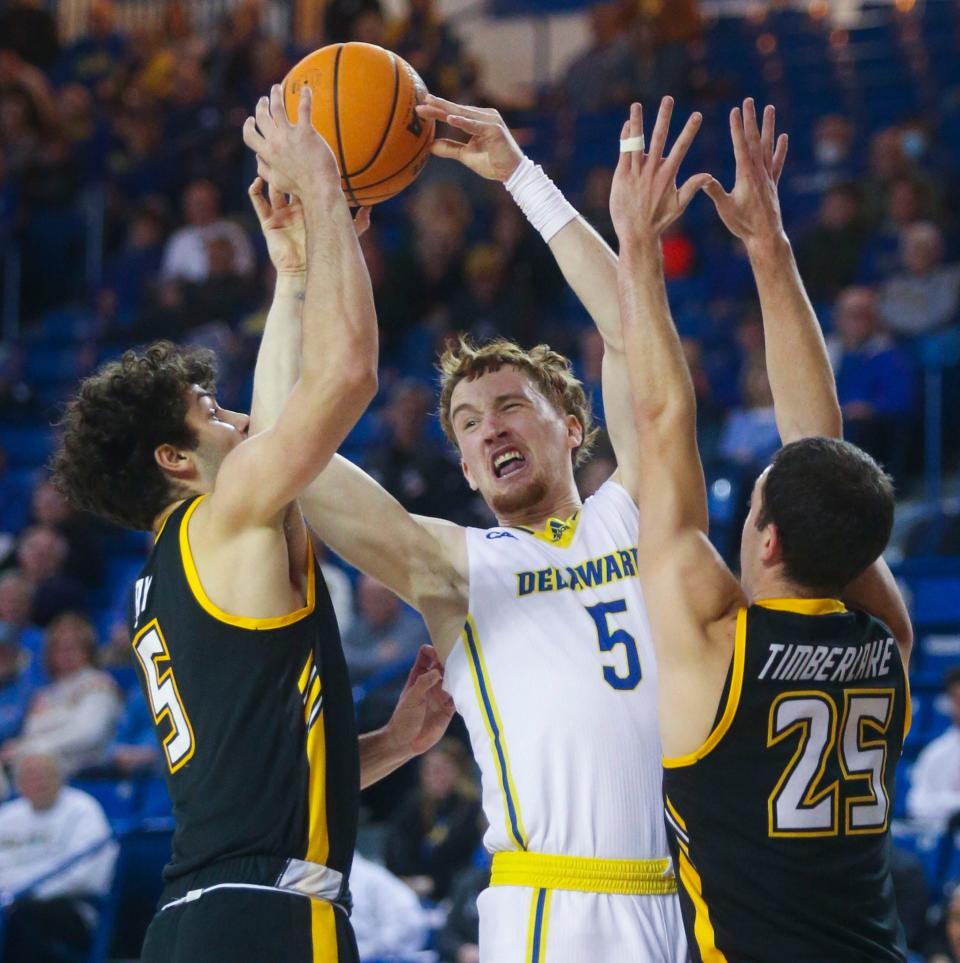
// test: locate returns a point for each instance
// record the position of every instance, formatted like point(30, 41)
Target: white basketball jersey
point(554, 675)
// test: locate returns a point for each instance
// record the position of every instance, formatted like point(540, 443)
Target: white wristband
point(540, 199)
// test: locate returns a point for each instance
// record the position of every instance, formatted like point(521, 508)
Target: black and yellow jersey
point(256, 721)
point(779, 823)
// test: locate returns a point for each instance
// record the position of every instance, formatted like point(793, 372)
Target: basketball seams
point(391, 116)
point(425, 146)
point(336, 127)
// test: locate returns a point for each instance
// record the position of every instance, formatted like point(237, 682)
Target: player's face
point(218, 430)
point(751, 541)
point(514, 445)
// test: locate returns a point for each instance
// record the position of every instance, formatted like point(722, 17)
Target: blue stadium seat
point(938, 652)
point(27, 446)
point(118, 797)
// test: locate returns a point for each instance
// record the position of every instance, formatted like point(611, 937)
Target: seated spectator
point(128, 273)
point(383, 632)
point(41, 557)
point(387, 918)
point(833, 138)
point(99, 55)
point(934, 795)
point(84, 561)
point(488, 306)
point(15, 596)
point(875, 380)
point(601, 76)
point(76, 714)
point(16, 686)
point(413, 466)
point(828, 254)
point(944, 944)
point(225, 294)
point(458, 941)
point(39, 832)
point(908, 201)
point(435, 830)
point(925, 295)
point(749, 436)
point(428, 44)
point(134, 750)
point(186, 256)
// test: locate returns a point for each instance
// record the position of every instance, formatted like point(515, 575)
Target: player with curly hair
point(232, 628)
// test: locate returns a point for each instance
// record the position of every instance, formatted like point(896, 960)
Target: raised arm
point(804, 393)
point(801, 379)
point(355, 516)
point(644, 201)
point(587, 263)
point(338, 343)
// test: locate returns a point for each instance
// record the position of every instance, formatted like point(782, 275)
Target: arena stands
point(124, 218)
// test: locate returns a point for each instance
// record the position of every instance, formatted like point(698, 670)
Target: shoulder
point(77, 803)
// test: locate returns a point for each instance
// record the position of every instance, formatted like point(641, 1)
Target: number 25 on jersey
point(163, 695)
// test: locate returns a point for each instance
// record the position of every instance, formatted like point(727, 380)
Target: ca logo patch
point(492, 535)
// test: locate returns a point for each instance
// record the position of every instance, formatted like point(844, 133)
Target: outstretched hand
point(751, 211)
point(292, 158)
point(423, 710)
point(491, 150)
point(284, 229)
point(645, 199)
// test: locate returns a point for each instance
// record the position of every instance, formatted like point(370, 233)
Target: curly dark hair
point(105, 462)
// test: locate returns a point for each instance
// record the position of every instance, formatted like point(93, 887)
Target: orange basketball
point(363, 106)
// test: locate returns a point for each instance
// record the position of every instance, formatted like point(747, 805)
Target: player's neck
point(775, 586)
point(561, 506)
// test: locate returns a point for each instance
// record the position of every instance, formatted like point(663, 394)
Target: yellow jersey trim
point(211, 608)
point(584, 874)
point(803, 606)
point(702, 925)
point(494, 726)
point(323, 932)
point(675, 814)
point(556, 531)
point(733, 701)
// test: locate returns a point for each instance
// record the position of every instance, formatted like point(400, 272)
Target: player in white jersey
point(540, 620)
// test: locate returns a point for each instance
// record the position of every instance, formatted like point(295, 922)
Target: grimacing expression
point(513, 442)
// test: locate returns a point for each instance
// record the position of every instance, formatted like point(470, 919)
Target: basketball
point(363, 106)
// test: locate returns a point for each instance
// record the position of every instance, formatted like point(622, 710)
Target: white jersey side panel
point(554, 675)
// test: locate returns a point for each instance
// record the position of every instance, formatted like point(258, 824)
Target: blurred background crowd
point(124, 218)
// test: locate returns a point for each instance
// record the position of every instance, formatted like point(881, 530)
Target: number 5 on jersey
point(607, 640)
point(163, 695)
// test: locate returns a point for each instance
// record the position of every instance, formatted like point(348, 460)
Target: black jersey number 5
point(800, 805)
point(163, 695)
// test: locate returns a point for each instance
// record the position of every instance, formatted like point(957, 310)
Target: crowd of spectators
point(132, 133)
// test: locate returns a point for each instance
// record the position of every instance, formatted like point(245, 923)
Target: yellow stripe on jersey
point(675, 814)
point(491, 719)
point(318, 839)
point(702, 926)
point(733, 700)
point(537, 926)
point(323, 932)
point(584, 874)
point(211, 608)
point(803, 606)
point(305, 674)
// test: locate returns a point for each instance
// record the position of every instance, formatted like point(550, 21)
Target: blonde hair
point(549, 370)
